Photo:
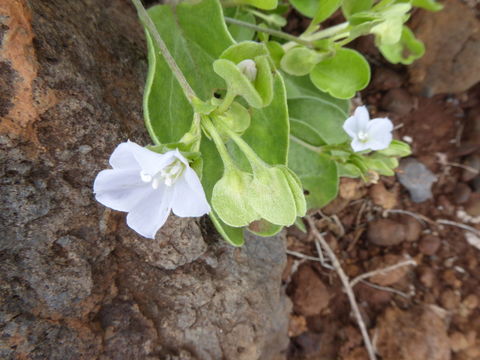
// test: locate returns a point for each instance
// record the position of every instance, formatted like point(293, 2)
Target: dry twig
point(346, 283)
point(382, 271)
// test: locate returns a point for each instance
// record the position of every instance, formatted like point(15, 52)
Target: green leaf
point(430, 5)
point(324, 118)
point(342, 75)
point(325, 9)
point(299, 61)
point(397, 148)
point(240, 33)
point(303, 87)
point(264, 228)
point(317, 172)
point(350, 7)
point(244, 50)
point(194, 43)
point(276, 52)
point(306, 7)
point(261, 4)
point(230, 198)
point(406, 51)
point(234, 236)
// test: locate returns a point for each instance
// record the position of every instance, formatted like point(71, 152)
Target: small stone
point(472, 206)
point(398, 101)
point(413, 228)
point(450, 278)
point(382, 197)
point(427, 276)
point(297, 326)
point(311, 295)
point(458, 342)
point(449, 299)
point(417, 179)
point(429, 245)
point(473, 167)
point(390, 277)
point(471, 302)
point(461, 193)
point(385, 232)
point(352, 189)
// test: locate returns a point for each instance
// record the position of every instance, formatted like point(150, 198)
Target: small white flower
point(375, 134)
point(249, 68)
point(148, 185)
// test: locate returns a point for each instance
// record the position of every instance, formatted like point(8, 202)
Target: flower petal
point(189, 197)
point(120, 189)
point(122, 157)
point(150, 161)
point(151, 212)
point(358, 145)
point(380, 133)
point(357, 123)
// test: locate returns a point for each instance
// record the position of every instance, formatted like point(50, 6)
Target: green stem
point(255, 161)
point(319, 149)
point(227, 101)
point(277, 33)
point(147, 20)
point(222, 149)
point(322, 34)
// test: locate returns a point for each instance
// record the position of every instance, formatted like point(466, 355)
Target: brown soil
point(433, 311)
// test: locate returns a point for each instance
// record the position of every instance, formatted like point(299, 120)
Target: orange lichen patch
point(17, 50)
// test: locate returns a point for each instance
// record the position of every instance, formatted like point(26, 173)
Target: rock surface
point(452, 40)
point(75, 282)
point(419, 334)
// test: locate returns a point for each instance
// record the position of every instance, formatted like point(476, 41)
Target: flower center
point(362, 136)
point(168, 175)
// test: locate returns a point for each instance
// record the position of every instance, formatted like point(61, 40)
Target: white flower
point(375, 134)
point(249, 68)
point(148, 185)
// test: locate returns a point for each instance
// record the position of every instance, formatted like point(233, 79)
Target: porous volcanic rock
point(75, 282)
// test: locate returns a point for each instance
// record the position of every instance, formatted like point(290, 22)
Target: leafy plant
point(262, 116)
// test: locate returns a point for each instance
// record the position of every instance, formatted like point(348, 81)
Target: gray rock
point(75, 282)
point(416, 178)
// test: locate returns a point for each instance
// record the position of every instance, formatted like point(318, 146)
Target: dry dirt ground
point(427, 311)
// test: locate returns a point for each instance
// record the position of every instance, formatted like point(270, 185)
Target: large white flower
point(366, 134)
point(148, 185)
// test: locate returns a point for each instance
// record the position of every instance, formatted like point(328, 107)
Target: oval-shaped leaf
point(406, 51)
point(343, 74)
point(299, 61)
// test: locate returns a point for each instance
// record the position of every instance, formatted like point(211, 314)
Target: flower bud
point(249, 68)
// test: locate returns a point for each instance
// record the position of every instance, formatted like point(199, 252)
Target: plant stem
point(227, 101)
point(221, 148)
point(277, 33)
point(147, 20)
point(322, 34)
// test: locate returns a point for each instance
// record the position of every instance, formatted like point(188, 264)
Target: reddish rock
point(429, 244)
point(386, 232)
point(311, 296)
point(418, 333)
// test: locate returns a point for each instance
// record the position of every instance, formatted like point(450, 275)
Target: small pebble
point(458, 342)
point(461, 193)
point(449, 299)
point(429, 245)
point(472, 206)
point(417, 179)
point(386, 232)
point(473, 164)
point(413, 229)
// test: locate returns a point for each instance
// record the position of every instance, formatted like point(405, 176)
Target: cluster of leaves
point(265, 101)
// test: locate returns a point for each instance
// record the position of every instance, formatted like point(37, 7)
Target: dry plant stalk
point(348, 289)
